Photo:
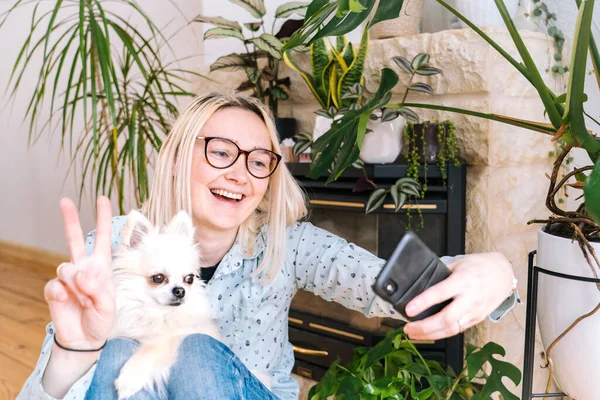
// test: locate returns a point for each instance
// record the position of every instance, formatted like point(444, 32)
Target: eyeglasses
point(223, 153)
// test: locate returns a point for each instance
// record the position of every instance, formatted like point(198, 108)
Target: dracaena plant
point(261, 60)
point(394, 369)
point(99, 68)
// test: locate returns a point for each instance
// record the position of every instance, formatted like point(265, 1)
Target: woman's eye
point(158, 278)
point(259, 164)
point(220, 154)
point(189, 279)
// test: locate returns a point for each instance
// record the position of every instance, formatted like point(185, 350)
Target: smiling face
point(222, 199)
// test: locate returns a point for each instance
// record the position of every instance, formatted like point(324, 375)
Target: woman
point(221, 164)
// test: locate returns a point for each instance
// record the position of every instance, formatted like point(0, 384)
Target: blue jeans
point(206, 369)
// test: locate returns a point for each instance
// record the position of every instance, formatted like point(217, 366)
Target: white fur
point(144, 310)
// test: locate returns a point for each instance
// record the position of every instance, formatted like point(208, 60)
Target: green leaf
point(574, 111)
point(362, 129)
point(301, 147)
point(409, 114)
point(279, 93)
point(375, 201)
point(342, 25)
point(420, 60)
point(421, 87)
point(389, 115)
point(389, 79)
point(354, 73)
point(386, 10)
point(219, 22)
point(428, 71)
point(591, 193)
point(219, 33)
point(231, 62)
point(270, 44)
point(255, 7)
point(350, 387)
point(398, 196)
point(320, 61)
point(291, 8)
point(500, 369)
point(356, 6)
point(536, 79)
point(253, 26)
point(403, 63)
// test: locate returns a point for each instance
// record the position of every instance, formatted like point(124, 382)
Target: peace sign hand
point(82, 297)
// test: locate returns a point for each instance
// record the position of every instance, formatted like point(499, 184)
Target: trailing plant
point(100, 68)
point(416, 149)
point(548, 18)
point(394, 369)
point(263, 53)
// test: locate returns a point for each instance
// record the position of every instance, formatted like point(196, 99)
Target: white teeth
point(224, 193)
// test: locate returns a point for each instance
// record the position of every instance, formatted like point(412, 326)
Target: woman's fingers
point(73, 232)
point(452, 320)
point(66, 273)
point(103, 245)
point(55, 290)
point(447, 289)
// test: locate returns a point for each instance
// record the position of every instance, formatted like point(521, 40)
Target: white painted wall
point(31, 180)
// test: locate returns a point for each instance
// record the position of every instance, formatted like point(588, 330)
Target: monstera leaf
point(477, 359)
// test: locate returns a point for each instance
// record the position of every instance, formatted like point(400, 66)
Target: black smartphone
point(411, 269)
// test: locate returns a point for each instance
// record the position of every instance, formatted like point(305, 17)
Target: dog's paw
point(132, 379)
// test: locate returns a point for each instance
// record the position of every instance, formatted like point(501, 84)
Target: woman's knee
point(200, 347)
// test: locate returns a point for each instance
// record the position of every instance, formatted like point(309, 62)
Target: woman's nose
point(237, 171)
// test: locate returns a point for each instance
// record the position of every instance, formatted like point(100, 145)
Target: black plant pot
point(428, 132)
point(286, 127)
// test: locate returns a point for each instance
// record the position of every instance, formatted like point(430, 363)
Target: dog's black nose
point(179, 292)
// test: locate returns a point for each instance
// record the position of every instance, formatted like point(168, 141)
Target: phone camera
point(390, 287)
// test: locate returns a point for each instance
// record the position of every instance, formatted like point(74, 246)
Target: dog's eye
point(189, 279)
point(158, 278)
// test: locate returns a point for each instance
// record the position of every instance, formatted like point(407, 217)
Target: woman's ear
point(182, 225)
point(137, 228)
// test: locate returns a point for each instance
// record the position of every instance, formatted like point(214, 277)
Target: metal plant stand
point(530, 327)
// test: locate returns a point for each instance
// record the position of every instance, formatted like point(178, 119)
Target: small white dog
point(160, 298)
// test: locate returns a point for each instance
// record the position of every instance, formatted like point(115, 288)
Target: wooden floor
point(23, 312)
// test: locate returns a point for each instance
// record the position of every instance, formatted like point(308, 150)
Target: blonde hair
point(283, 204)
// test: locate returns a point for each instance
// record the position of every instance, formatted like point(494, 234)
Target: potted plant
point(262, 58)
point(569, 240)
point(430, 143)
point(394, 369)
point(108, 115)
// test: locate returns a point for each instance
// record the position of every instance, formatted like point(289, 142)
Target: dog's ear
point(137, 228)
point(182, 225)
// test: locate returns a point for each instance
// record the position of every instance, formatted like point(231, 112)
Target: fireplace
point(322, 331)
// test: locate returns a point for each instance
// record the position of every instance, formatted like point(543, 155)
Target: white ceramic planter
point(384, 144)
point(381, 146)
point(482, 12)
point(560, 302)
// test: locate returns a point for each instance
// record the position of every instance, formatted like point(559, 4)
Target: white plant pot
point(322, 125)
point(481, 12)
point(384, 144)
point(562, 301)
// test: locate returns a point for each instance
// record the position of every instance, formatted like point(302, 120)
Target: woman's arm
point(69, 377)
point(336, 270)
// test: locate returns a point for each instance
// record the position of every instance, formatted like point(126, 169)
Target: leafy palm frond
point(112, 96)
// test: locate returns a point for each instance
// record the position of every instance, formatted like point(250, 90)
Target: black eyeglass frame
point(207, 139)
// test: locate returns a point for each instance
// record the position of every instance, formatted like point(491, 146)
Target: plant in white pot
point(336, 81)
point(570, 239)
